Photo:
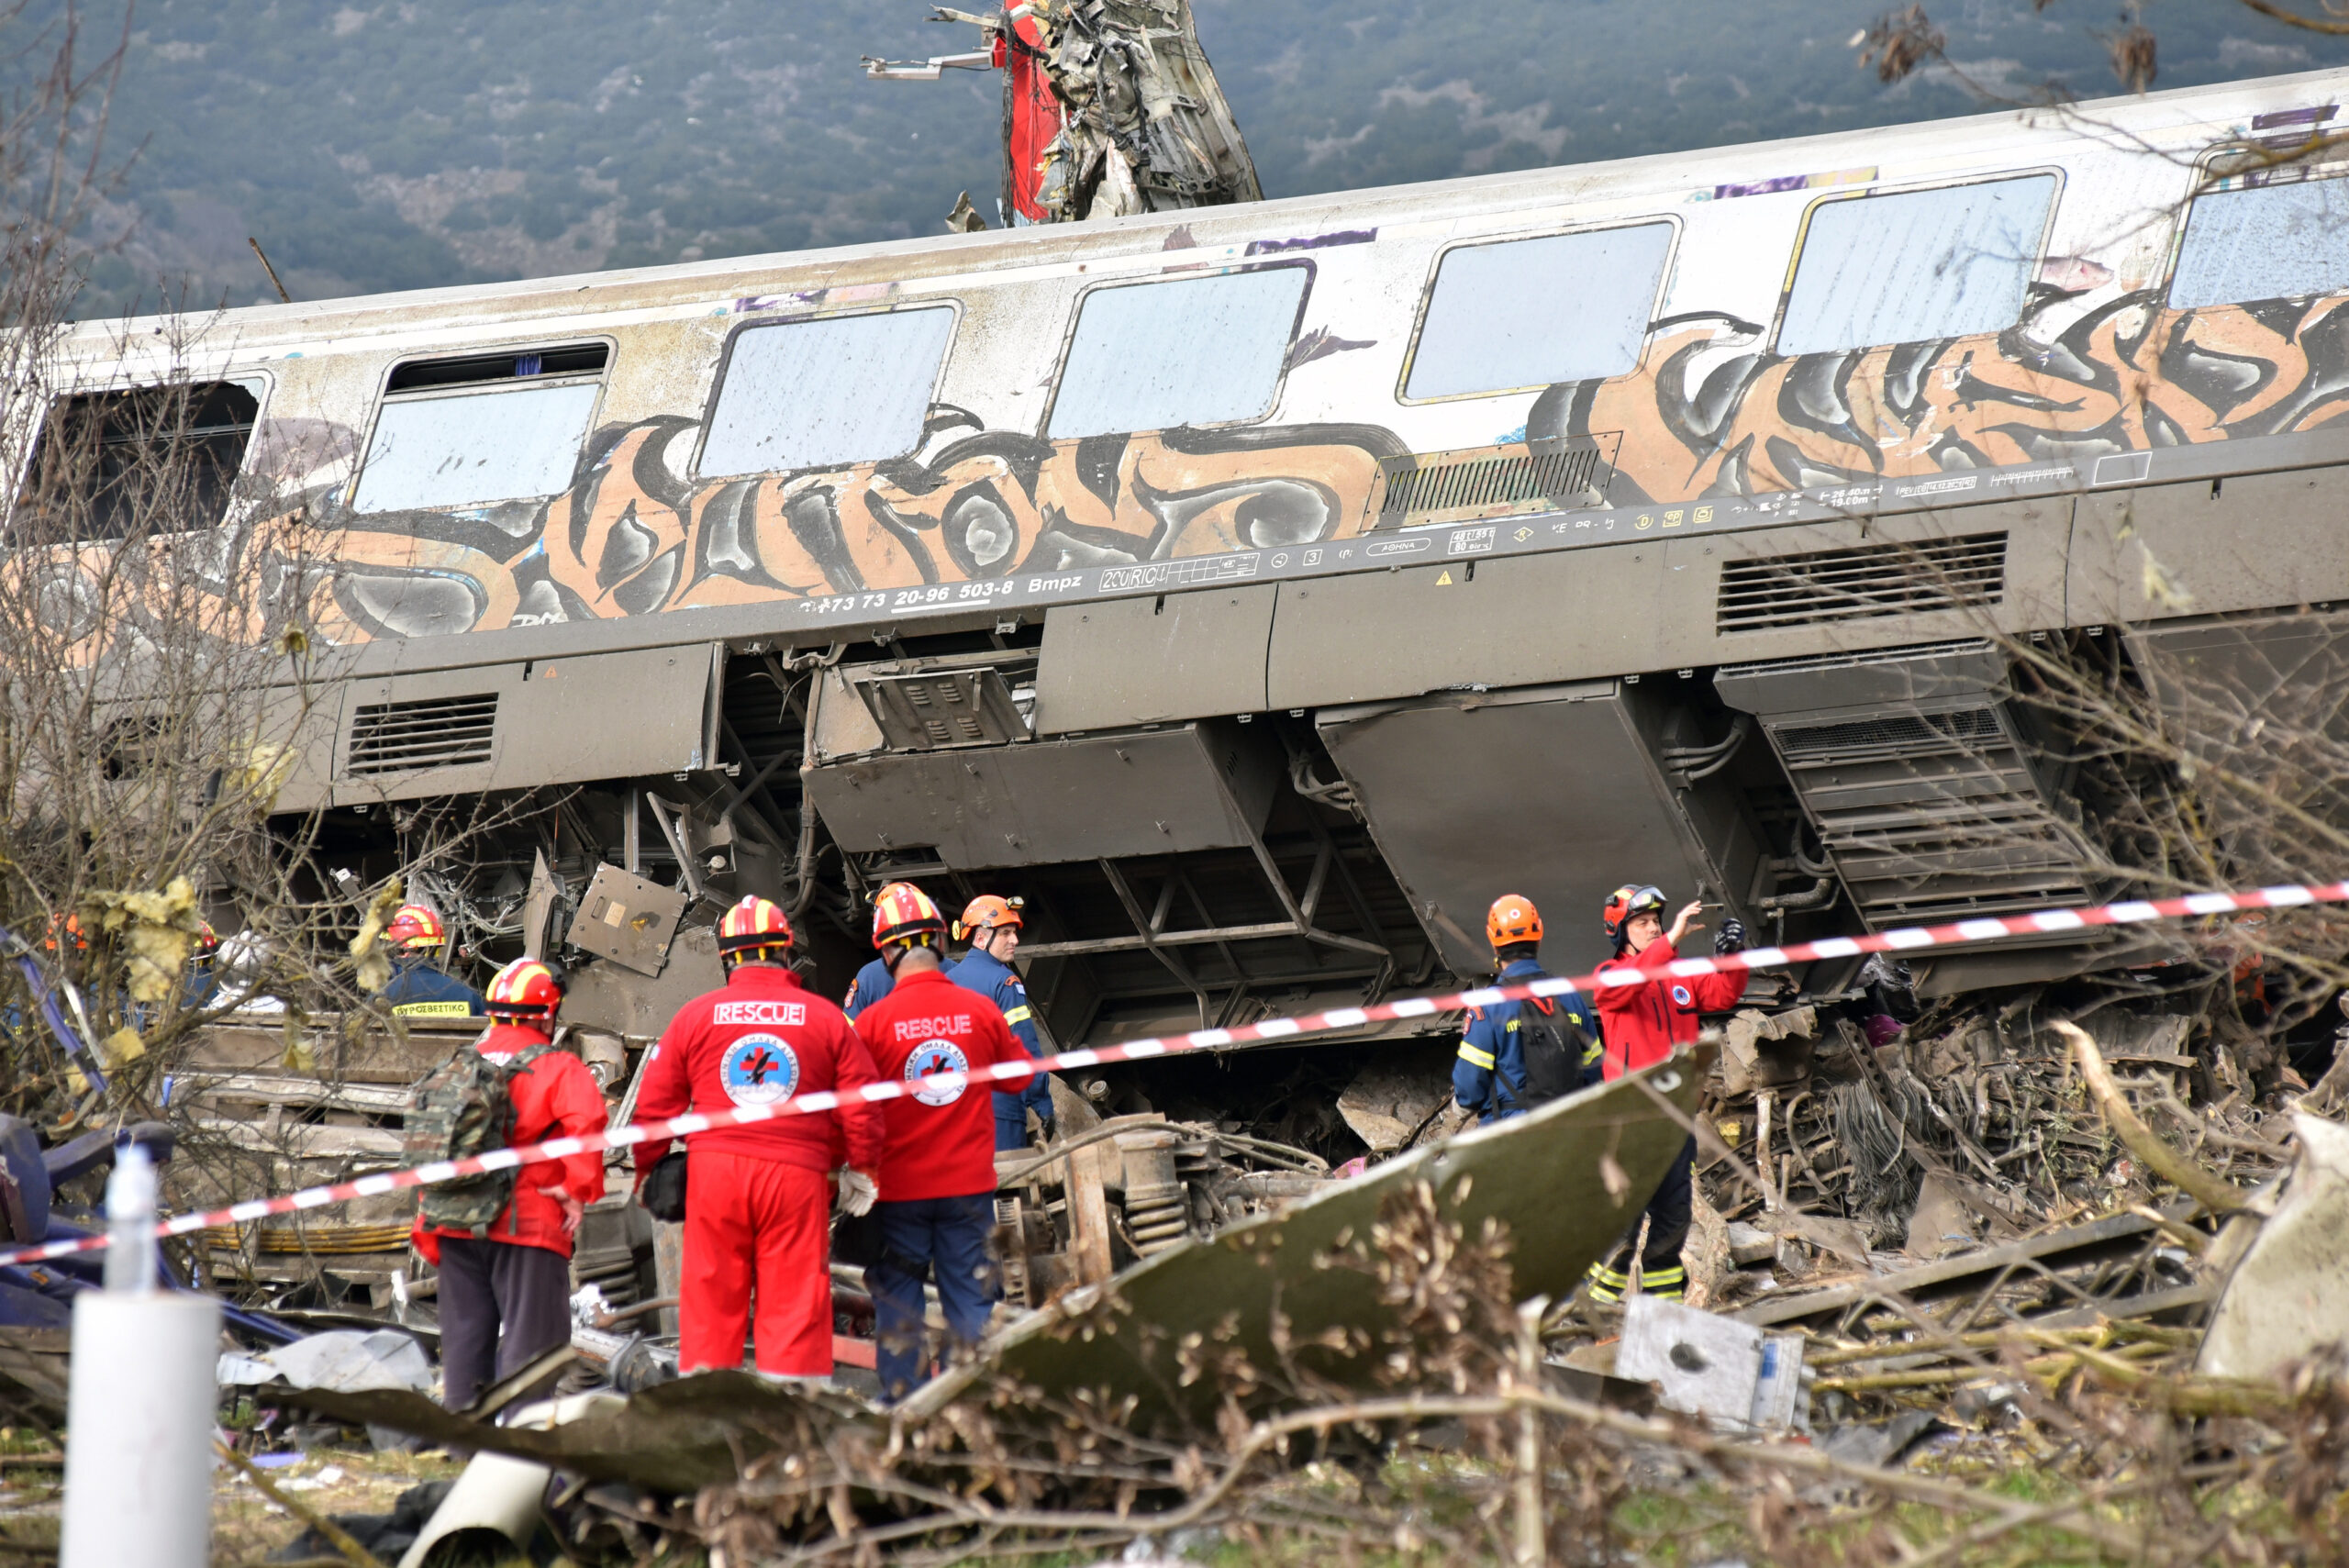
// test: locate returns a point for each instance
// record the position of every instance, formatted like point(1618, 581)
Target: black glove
point(1730, 938)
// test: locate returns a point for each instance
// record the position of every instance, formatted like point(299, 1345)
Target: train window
point(1194, 350)
point(478, 428)
point(1910, 266)
point(135, 460)
point(1525, 313)
point(821, 394)
point(2279, 241)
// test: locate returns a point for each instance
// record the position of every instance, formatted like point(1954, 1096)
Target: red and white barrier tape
point(1907, 940)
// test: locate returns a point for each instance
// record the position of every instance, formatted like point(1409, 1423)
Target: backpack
point(465, 1108)
point(1551, 1044)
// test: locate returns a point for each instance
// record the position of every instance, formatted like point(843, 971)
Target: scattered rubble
point(1930, 1253)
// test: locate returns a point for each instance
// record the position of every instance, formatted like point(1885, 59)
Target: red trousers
point(756, 1228)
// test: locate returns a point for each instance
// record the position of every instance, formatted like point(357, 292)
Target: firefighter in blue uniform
point(991, 925)
point(419, 988)
point(875, 980)
point(1489, 1076)
point(873, 983)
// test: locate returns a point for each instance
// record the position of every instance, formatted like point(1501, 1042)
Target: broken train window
point(2277, 240)
point(479, 428)
point(135, 460)
point(1518, 313)
point(1910, 266)
point(827, 393)
point(1192, 351)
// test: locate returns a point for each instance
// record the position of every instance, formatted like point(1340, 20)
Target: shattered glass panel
point(1916, 265)
point(1193, 352)
point(2265, 242)
point(824, 393)
point(472, 448)
point(1531, 312)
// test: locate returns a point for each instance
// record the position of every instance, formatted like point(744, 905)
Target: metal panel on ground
point(1193, 786)
point(1546, 791)
point(1128, 661)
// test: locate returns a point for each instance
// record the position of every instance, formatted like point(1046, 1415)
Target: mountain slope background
point(414, 143)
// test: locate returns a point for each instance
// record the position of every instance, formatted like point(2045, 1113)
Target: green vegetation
point(415, 143)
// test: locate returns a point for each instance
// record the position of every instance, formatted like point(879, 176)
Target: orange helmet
point(903, 913)
point(415, 926)
point(753, 926)
point(525, 988)
point(68, 926)
point(1511, 919)
point(1627, 901)
point(988, 912)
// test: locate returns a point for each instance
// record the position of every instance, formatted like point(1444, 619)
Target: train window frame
point(1426, 306)
point(1176, 275)
point(951, 304)
point(2208, 181)
point(2054, 174)
point(388, 398)
point(259, 383)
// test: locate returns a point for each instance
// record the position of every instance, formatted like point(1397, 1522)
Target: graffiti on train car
point(634, 535)
point(1713, 419)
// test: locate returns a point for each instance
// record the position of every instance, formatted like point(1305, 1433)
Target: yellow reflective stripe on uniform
point(1475, 1057)
point(1017, 1015)
point(433, 1010)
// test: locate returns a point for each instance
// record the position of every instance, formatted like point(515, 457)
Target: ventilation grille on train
point(1971, 727)
point(1860, 583)
point(437, 732)
point(1495, 482)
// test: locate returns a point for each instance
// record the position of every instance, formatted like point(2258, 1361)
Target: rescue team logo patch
point(759, 1070)
point(1680, 996)
point(773, 1015)
point(931, 1059)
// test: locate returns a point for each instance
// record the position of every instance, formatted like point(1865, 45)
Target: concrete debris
point(1716, 1367)
point(2289, 1296)
point(1391, 1107)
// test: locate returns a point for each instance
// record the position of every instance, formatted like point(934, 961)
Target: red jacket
point(941, 1142)
point(554, 1096)
point(1643, 1023)
point(759, 1042)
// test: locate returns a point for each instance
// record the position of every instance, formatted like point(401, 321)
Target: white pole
point(139, 1417)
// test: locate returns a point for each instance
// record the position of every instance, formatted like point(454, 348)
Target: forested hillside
point(419, 142)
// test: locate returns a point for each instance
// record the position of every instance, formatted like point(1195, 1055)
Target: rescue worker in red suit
point(937, 1208)
point(504, 1295)
point(1641, 1026)
point(759, 1196)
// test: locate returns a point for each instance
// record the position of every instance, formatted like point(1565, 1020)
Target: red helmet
point(415, 926)
point(988, 912)
point(1624, 903)
point(903, 913)
point(1511, 919)
point(754, 925)
point(525, 988)
point(207, 943)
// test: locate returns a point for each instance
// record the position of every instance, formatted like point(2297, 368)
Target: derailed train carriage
point(1258, 591)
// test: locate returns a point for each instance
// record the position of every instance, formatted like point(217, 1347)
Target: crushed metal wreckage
point(1262, 1289)
point(1111, 108)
